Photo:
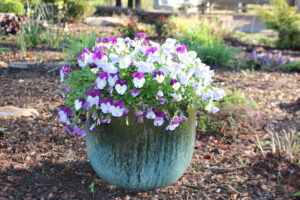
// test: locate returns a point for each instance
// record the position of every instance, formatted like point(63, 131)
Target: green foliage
point(283, 19)
point(297, 194)
point(12, 6)
point(210, 48)
point(254, 38)
point(78, 9)
point(41, 28)
point(162, 26)
point(73, 45)
point(290, 67)
point(129, 30)
point(233, 101)
point(21, 43)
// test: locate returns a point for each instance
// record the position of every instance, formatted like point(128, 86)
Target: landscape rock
point(14, 112)
point(104, 21)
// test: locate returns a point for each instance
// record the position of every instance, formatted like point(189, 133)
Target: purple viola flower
point(79, 132)
point(140, 36)
point(105, 120)
point(93, 97)
point(65, 113)
point(66, 110)
point(140, 120)
point(173, 124)
point(162, 100)
point(121, 86)
point(93, 128)
point(145, 42)
point(134, 93)
point(64, 70)
point(101, 80)
point(151, 50)
point(143, 106)
point(78, 103)
point(99, 54)
point(138, 113)
point(181, 49)
point(112, 40)
point(160, 118)
point(66, 89)
point(125, 112)
point(138, 79)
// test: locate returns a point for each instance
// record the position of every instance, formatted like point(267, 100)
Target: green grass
point(291, 67)
point(210, 48)
point(73, 45)
point(255, 38)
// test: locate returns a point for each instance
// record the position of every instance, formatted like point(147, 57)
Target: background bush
point(78, 9)
point(12, 6)
point(210, 48)
point(283, 19)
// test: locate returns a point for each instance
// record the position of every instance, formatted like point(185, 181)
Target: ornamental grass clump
point(121, 77)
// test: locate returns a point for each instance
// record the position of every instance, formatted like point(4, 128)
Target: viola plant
point(140, 78)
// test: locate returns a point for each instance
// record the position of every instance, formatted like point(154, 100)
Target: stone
point(14, 112)
point(104, 21)
point(3, 64)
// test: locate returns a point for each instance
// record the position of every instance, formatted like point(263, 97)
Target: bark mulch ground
point(38, 160)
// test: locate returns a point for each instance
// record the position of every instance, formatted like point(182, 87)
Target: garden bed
point(38, 160)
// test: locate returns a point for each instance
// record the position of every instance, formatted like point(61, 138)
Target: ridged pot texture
point(141, 156)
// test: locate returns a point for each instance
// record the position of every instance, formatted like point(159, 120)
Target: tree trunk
point(118, 3)
point(130, 4)
point(138, 4)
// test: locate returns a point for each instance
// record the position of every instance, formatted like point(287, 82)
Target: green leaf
point(297, 194)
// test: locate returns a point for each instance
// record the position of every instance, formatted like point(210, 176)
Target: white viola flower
point(138, 79)
point(145, 67)
point(218, 94)
point(160, 93)
point(94, 70)
point(170, 42)
point(112, 78)
point(125, 62)
point(78, 103)
point(208, 95)
point(101, 62)
point(199, 89)
point(110, 68)
point(176, 97)
point(63, 118)
point(114, 58)
point(121, 87)
point(150, 114)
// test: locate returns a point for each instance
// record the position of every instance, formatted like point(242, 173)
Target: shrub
point(162, 26)
point(210, 48)
point(10, 25)
point(78, 10)
point(12, 6)
point(290, 67)
point(129, 30)
point(284, 20)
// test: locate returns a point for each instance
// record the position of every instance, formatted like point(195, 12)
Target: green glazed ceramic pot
point(143, 156)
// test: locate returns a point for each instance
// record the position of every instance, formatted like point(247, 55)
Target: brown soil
point(38, 160)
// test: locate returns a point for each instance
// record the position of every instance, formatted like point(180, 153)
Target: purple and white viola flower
point(162, 100)
point(100, 58)
point(134, 93)
point(101, 80)
point(85, 58)
point(158, 76)
point(78, 103)
point(105, 105)
point(159, 118)
point(64, 70)
point(138, 79)
point(117, 108)
point(93, 97)
point(175, 84)
point(173, 124)
point(121, 86)
point(112, 79)
point(150, 114)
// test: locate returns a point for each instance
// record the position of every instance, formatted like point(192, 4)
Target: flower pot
point(143, 156)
